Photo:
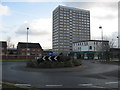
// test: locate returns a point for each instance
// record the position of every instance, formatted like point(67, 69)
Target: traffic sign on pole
point(50, 53)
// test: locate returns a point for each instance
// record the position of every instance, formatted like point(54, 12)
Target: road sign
point(56, 58)
point(48, 58)
point(44, 58)
point(50, 53)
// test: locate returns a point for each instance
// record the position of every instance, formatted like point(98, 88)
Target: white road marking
point(97, 86)
point(85, 84)
point(28, 85)
point(53, 85)
point(111, 82)
point(90, 85)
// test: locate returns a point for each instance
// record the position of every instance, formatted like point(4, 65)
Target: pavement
point(90, 75)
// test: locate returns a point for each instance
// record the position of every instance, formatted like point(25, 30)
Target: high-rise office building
point(69, 25)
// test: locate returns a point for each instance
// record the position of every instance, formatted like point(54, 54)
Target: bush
point(64, 61)
point(68, 63)
point(46, 64)
point(59, 64)
point(64, 58)
point(76, 62)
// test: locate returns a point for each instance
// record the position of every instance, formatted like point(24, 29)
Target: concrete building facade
point(69, 25)
point(91, 49)
point(91, 45)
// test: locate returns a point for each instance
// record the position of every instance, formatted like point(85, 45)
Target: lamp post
point(27, 42)
point(118, 42)
point(100, 27)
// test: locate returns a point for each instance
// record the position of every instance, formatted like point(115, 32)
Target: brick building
point(3, 48)
point(29, 49)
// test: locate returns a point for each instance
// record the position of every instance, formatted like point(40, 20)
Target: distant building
point(3, 47)
point(69, 25)
point(90, 47)
point(29, 49)
point(118, 39)
point(12, 51)
point(115, 53)
point(46, 52)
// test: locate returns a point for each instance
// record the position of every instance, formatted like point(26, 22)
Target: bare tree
point(112, 43)
point(9, 43)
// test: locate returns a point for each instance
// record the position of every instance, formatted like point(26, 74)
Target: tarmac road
point(90, 75)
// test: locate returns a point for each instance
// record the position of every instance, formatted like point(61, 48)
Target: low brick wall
point(17, 57)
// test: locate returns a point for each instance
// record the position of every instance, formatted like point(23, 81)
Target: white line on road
point(90, 85)
point(85, 84)
point(28, 85)
point(111, 82)
point(53, 85)
point(97, 86)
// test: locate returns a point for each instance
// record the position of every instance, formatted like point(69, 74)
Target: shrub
point(76, 62)
point(68, 63)
point(59, 64)
point(64, 58)
point(64, 61)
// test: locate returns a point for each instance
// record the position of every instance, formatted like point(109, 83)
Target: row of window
point(72, 15)
point(72, 18)
point(86, 43)
point(76, 11)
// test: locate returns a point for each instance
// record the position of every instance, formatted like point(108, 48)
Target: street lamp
point(118, 41)
point(27, 33)
point(27, 42)
point(100, 27)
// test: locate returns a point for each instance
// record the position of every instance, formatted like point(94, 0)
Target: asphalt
point(89, 75)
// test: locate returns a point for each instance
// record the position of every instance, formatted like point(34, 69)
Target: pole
point(27, 42)
point(100, 27)
point(118, 41)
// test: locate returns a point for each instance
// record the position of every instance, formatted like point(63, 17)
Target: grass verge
point(13, 60)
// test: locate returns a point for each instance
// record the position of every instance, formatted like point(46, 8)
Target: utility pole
point(27, 42)
point(100, 27)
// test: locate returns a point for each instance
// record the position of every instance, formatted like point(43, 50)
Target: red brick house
point(29, 49)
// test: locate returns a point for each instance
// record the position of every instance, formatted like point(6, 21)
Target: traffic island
point(60, 62)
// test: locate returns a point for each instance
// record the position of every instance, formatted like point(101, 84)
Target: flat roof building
point(69, 25)
point(91, 45)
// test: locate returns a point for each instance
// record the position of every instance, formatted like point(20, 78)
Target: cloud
point(4, 10)
point(99, 10)
point(36, 27)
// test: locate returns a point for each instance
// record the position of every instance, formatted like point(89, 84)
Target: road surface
point(90, 75)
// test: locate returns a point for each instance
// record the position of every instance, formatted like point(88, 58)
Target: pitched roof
point(29, 45)
point(3, 44)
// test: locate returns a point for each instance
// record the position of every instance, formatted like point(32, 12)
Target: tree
point(9, 43)
point(112, 43)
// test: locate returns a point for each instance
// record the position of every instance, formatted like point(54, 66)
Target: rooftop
point(3, 44)
point(92, 41)
point(29, 45)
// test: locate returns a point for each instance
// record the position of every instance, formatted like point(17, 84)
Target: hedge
point(63, 62)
